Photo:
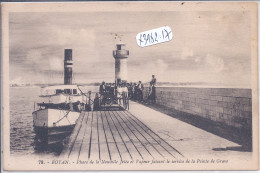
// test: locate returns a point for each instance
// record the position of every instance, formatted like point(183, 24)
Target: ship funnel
point(68, 66)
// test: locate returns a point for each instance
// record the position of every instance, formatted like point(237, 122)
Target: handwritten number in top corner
point(155, 37)
point(152, 37)
point(148, 38)
point(167, 33)
point(152, 40)
point(140, 39)
point(144, 36)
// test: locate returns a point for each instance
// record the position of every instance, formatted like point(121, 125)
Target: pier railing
point(106, 100)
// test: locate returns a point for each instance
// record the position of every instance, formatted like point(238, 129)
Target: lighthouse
point(120, 55)
point(68, 66)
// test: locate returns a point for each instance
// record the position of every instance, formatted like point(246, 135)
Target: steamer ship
point(59, 108)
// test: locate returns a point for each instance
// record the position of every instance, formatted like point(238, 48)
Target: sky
point(208, 47)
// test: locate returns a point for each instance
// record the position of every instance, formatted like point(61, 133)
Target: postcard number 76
point(154, 36)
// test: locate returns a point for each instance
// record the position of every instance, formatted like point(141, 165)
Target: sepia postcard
point(130, 86)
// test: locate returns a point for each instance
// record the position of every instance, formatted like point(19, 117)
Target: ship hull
point(52, 135)
point(54, 118)
point(53, 125)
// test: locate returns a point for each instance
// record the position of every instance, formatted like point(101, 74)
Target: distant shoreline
point(160, 84)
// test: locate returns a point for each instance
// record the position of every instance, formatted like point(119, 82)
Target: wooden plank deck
point(115, 135)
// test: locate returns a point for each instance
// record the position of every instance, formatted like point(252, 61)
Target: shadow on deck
point(241, 136)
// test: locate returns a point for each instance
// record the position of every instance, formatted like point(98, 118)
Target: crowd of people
point(134, 91)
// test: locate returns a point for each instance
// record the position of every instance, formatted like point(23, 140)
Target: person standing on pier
point(125, 89)
point(102, 88)
point(119, 91)
point(96, 106)
point(153, 93)
point(149, 94)
point(102, 91)
point(140, 88)
point(134, 91)
point(130, 90)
